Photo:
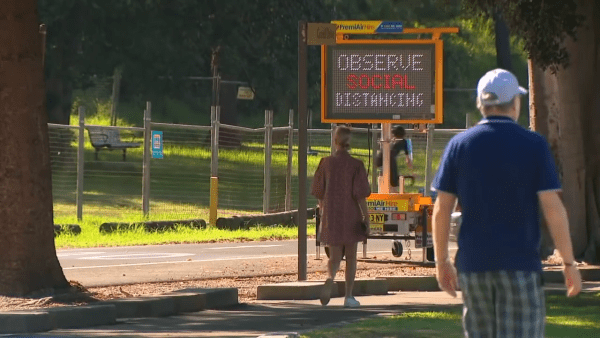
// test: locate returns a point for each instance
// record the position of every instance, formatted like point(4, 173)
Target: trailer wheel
point(430, 255)
point(397, 248)
point(343, 251)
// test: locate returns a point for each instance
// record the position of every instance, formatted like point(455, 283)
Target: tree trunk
point(59, 94)
point(567, 112)
point(28, 261)
point(503, 59)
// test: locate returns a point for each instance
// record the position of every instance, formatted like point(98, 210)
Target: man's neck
point(493, 115)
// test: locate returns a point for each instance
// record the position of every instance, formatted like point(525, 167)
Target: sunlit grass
point(91, 237)
point(410, 324)
point(566, 317)
point(179, 188)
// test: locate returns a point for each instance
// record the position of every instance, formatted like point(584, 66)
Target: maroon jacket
point(340, 182)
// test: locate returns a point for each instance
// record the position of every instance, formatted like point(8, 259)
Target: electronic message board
point(376, 81)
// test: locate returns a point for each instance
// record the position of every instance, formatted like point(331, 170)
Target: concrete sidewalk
point(275, 318)
point(264, 318)
point(217, 314)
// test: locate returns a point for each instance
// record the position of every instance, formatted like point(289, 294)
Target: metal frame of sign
point(438, 78)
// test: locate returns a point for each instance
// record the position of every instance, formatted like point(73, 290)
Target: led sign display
point(380, 82)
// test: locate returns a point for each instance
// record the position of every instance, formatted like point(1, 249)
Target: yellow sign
point(376, 218)
point(321, 34)
point(387, 205)
point(368, 27)
point(375, 228)
point(245, 93)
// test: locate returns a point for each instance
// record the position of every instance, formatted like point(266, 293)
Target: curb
point(25, 322)
point(82, 316)
point(107, 312)
point(54, 318)
point(555, 275)
point(308, 290)
point(412, 283)
point(280, 335)
point(209, 298)
point(143, 307)
point(311, 290)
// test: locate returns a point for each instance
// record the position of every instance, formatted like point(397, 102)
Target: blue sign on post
point(157, 144)
point(390, 27)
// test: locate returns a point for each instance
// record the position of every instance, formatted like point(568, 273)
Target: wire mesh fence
point(112, 182)
point(63, 159)
point(179, 183)
point(241, 168)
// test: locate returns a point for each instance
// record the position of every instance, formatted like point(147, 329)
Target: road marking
point(69, 254)
point(143, 255)
point(192, 261)
point(173, 262)
point(244, 247)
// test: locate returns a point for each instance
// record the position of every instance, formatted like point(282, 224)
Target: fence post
point(214, 138)
point(429, 160)
point(80, 163)
point(146, 159)
point(374, 170)
point(290, 154)
point(215, 116)
point(268, 152)
point(467, 121)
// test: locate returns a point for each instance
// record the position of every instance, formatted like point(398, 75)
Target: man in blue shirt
point(501, 174)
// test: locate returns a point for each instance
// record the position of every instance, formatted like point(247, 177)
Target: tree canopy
point(543, 25)
point(158, 43)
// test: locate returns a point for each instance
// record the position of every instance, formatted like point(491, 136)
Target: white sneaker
point(326, 291)
point(351, 302)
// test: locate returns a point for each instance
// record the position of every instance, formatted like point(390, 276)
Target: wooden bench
point(109, 138)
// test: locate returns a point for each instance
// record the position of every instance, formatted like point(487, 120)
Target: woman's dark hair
point(399, 132)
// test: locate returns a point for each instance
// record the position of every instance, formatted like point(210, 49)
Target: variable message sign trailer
point(387, 81)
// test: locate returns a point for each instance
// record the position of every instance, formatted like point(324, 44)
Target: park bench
point(110, 139)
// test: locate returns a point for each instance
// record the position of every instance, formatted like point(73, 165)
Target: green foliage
point(159, 43)
point(543, 25)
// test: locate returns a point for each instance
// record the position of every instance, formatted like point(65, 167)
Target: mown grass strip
point(565, 317)
point(91, 236)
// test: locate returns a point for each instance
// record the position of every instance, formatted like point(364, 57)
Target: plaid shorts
point(503, 304)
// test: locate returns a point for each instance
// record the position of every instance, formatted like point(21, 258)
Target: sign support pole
point(386, 135)
point(302, 143)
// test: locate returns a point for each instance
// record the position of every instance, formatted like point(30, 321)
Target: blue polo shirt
point(496, 169)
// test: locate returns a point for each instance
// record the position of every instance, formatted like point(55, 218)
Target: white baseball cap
point(502, 83)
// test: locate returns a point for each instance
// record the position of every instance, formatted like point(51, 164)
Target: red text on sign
point(364, 81)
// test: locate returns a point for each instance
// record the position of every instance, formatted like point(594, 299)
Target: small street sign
point(157, 144)
point(321, 34)
point(245, 93)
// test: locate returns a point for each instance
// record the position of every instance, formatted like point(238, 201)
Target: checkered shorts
point(503, 304)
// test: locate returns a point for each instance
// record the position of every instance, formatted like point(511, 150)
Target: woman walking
point(341, 186)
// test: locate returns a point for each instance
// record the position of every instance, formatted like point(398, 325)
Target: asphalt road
point(153, 263)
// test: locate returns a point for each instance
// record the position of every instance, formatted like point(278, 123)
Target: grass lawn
point(566, 318)
point(180, 183)
point(91, 237)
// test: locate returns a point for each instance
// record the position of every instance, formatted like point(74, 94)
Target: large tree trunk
point(566, 109)
point(28, 261)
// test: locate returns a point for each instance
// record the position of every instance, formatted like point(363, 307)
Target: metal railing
point(256, 167)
